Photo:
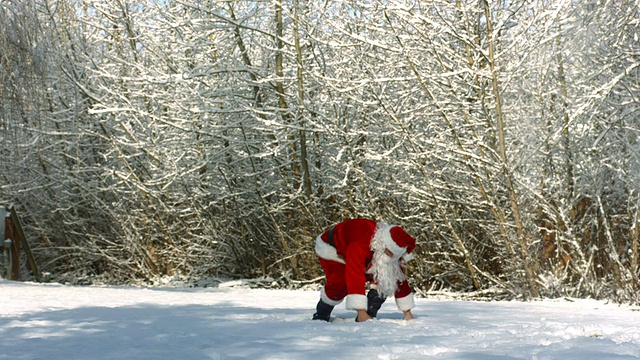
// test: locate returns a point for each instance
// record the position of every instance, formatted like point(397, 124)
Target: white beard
point(385, 269)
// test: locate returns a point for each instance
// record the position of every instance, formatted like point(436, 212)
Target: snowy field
point(63, 322)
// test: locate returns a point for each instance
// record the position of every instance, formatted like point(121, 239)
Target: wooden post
point(12, 241)
point(19, 232)
point(3, 266)
point(13, 246)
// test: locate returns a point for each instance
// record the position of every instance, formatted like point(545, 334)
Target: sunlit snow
point(64, 322)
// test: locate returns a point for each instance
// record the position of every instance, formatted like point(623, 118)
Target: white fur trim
point(327, 252)
point(326, 300)
point(356, 302)
point(405, 303)
point(407, 257)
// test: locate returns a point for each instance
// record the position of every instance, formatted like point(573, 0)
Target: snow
point(52, 321)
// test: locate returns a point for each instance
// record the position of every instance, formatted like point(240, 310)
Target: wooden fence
point(12, 243)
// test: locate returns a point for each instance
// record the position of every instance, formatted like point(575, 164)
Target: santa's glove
point(323, 311)
point(375, 301)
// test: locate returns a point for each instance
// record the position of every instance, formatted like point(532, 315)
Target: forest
point(217, 138)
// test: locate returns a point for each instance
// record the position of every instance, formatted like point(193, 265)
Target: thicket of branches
point(218, 138)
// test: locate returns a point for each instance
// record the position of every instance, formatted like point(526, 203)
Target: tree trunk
point(503, 154)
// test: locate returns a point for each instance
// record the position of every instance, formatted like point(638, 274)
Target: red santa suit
point(348, 262)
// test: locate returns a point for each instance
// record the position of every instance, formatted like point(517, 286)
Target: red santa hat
point(395, 239)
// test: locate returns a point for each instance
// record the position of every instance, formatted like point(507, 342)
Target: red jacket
point(352, 241)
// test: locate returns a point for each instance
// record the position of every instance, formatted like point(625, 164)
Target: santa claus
point(358, 251)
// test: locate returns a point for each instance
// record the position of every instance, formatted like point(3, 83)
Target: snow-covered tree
point(150, 138)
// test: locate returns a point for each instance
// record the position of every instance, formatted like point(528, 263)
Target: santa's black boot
point(375, 301)
point(323, 311)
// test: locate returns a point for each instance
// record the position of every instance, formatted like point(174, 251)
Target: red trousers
point(336, 286)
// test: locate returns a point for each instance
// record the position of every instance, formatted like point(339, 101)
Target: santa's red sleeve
point(404, 296)
point(356, 259)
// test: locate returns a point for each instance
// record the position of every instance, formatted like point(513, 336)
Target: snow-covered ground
point(63, 322)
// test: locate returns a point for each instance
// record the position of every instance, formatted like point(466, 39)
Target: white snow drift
point(63, 322)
